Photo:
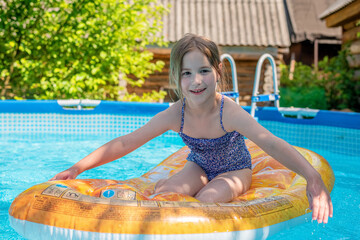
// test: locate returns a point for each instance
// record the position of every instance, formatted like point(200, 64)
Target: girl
point(213, 127)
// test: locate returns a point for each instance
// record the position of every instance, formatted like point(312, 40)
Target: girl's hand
point(70, 173)
point(319, 200)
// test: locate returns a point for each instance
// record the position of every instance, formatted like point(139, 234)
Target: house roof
point(336, 6)
point(303, 16)
point(228, 22)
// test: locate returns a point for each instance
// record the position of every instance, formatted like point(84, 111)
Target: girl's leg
point(188, 181)
point(226, 186)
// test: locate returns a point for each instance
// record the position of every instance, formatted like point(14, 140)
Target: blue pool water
point(34, 147)
point(28, 159)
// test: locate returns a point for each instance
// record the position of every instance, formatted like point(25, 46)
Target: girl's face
point(198, 77)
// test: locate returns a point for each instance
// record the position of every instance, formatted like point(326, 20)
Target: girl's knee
point(213, 195)
point(159, 185)
point(221, 189)
point(164, 185)
point(205, 198)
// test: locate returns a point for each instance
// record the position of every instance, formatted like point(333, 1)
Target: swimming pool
point(40, 138)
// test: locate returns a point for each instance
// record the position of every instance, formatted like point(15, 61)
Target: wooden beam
point(160, 51)
point(350, 35)
point(355, 47)
point(345, 15)
point(316, 54)
point(350, 25)
point(357, 75)
point(354, 61)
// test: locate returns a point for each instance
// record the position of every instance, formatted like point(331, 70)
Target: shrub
point(304, 90)
point(332, 86)
point(341, 88)
point(303, 97)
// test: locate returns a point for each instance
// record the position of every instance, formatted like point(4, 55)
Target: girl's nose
point(197, 79)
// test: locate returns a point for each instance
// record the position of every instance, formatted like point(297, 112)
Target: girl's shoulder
point(230, 106)
point(233, 114)
point(175, 109)
point(172, 116)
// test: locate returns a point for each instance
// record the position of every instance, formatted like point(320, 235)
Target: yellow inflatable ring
point(109, 209)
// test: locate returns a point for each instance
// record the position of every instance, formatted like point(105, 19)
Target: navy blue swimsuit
point(218, 155)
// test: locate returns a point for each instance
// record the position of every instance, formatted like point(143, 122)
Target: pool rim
point(323, 117)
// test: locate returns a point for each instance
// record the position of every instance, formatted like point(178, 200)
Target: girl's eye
point(204, 71)
point(185, 74)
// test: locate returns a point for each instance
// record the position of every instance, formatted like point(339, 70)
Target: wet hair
point(187, 44)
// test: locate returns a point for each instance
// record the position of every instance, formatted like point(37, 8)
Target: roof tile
point(228, 22)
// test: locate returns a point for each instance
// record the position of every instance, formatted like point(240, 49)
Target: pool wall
point(105, 107)
point(325, 118)
point(338, 132)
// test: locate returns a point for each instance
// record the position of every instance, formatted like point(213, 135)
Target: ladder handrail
point(233, 73)
point(257, 80)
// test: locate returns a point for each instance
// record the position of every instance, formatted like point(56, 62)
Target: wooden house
point(311, 40)
point(245, 29)
point(346, 14)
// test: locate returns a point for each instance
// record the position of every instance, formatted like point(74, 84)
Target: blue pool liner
point(323, 117)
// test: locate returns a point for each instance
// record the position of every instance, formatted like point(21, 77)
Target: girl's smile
point(198, 91)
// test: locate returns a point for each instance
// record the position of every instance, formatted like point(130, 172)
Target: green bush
point(303, 97)
point(332, 86)
point(341, 88)
point(304, 90)
point(60, 49)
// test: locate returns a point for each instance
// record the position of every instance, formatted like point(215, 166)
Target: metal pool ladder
point(265, 97)
point(235, 92)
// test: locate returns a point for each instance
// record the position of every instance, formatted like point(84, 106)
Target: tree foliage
point(58, 49)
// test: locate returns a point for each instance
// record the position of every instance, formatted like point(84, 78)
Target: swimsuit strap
point(182, 116)
point(221, 113)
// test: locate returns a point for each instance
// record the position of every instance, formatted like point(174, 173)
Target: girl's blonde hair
point(186, 44)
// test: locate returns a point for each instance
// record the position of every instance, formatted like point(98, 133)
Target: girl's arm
point(123, 145)
point(237, 119)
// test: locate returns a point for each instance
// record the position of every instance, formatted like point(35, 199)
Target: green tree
point(56, 49)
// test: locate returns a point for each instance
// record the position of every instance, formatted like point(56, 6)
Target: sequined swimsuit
point(218, 155)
